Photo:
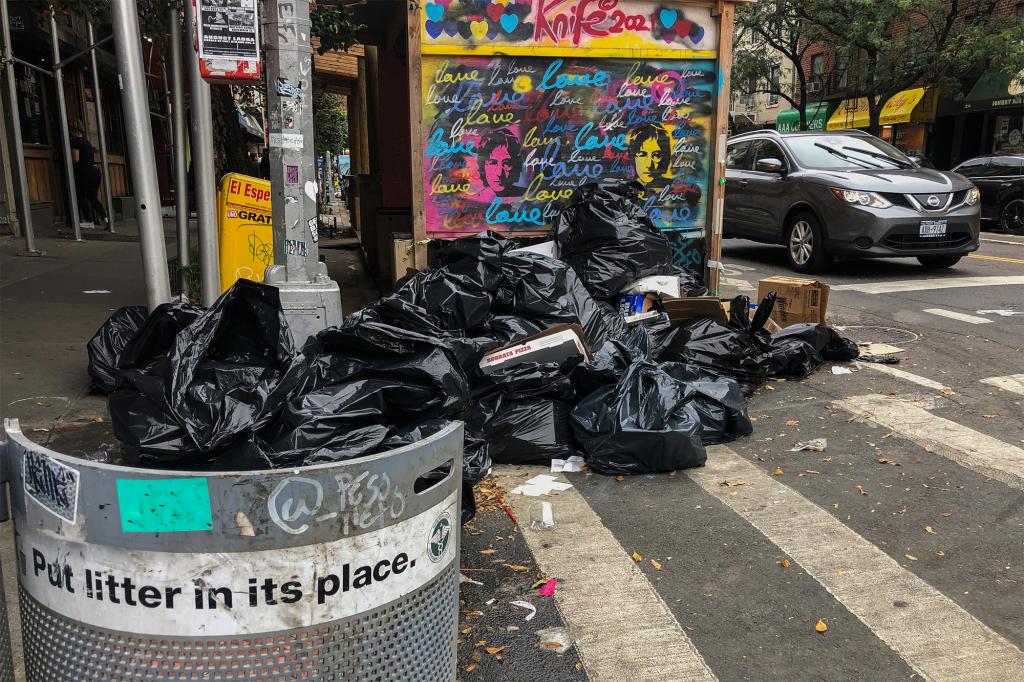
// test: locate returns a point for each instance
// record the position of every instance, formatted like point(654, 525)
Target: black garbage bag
point(605, 235)
point(605, 367)
point(156, 337)
point(644, 424)
point(522, 414)
point(690, 283)
point(226, 374)
point(737, 349)
point(718, 400)
point(799, 349)
point(107, 344)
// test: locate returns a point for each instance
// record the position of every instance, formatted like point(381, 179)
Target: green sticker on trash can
point(164, 505)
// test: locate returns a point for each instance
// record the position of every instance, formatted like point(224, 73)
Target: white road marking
point(737, 283)
point(1002, 241)
point(933, 634)
point(953, 315)
point(934, 283)
point(602, 594)
point(1013, 382)
point(967, 447)
point(906, 376)
point(1000, 312)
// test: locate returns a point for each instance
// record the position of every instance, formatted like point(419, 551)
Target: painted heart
point(433, 28)
point(434, 11)
point(683, 27)
point(509, 22)
point(492, 31)
point(495, 12)
point(668, 17)
point(697, 34)
point(668, 36)
point(478, 29)
point(443, 3)
point(453, 27)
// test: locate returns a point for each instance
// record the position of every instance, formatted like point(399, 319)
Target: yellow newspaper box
point(246, 228)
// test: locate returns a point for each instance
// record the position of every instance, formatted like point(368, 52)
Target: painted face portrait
point(500, 162)
point(651, 151)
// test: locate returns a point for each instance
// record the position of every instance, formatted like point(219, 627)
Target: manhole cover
point(874, 334)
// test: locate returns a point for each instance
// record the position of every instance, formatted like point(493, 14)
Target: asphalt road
point(904, 536)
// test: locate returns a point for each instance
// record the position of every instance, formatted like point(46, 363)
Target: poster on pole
point(228, 29)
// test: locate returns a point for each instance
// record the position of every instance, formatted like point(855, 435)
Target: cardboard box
point(402, 261)
point(556, 344)
point(797, 299)
point(689, 307)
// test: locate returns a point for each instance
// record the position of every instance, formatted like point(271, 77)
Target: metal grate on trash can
point(345, 571)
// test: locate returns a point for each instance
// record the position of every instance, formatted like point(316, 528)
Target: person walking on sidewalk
point(87, 177)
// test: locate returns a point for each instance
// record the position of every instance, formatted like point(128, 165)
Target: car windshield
point(845, 152)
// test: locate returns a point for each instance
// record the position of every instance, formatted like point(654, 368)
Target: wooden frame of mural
point(518, 102)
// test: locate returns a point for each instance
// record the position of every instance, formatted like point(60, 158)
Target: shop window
point(31, 105)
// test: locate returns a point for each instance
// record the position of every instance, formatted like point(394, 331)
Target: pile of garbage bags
point(224, 388)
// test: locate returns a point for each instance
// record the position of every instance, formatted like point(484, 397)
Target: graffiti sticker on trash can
point(440, 534)
point(53, 485)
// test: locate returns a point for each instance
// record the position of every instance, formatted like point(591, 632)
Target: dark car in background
point(1000, 179)
point(845, 193)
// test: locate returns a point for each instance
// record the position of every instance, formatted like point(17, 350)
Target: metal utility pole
point(98, 98)
point(132, 77)
point(65, 133)
point(20, 176)
point(311, 300)
point(205, 175)
point(178, 131)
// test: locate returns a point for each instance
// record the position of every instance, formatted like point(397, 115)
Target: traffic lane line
point(934, 635)
point(602, 594)
point(930, 283)
point(1001, 259)
point(953, 315)
point(975, 450)
point(1013, 383)
point(906, 376)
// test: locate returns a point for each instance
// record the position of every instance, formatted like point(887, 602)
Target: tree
point(330, 124)
point(778, 25)
point(892, 45)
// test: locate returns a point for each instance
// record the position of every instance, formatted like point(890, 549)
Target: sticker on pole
point(53, 485)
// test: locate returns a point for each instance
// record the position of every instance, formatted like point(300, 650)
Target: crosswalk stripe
point(1013, 382)
point(602, 593)
point(933, 283)
point(953, 315)
point(906, 376)
point(967, 447)
point(934, 635)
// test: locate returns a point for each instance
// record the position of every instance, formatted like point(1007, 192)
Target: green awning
point(996, 89)
point(788, 121)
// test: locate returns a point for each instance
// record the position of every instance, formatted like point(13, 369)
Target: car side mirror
point(770, 166)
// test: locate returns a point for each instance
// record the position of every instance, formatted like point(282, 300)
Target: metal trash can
point(345, 571)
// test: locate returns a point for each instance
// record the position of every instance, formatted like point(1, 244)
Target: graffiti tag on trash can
point(52, 484)
point(361, 502)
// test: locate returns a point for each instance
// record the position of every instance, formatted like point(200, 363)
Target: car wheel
point(1011, 218)
point(939, 261)
point(805, 244)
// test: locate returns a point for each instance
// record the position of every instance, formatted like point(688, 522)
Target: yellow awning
point(901, 108)
point(850, 114)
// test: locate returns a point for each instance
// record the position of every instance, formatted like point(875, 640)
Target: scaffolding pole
point(178, 131)
point(65, 133)
point(135, 103)
point(20, 179)
point(98, 99)
point(204, 175)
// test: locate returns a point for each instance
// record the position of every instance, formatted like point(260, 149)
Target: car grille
point(959, 197)
point(896, 199)
point(913, 241)
point(922, 199)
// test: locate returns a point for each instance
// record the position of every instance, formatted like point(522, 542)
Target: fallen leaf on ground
point(792, 422)
point(990, 416)
point(820, 626)
point(488, 551)
point(929, 529)
point(940, 553)
point(778, 471)
point(474, 613)
point(911, 557)
point(98, 420)
point(620, 478)
point(784, 563)
point(471, 667)
point(888, 435)
point(637, 556)
point(733, 482)
point(885, 460)
point(542, 581)
point(492, 650)
point(946, 514)
point(929, 449)
point(860, 489)
point(657, 566)
point(481, 643)
point(517, 568)
point(550, 645)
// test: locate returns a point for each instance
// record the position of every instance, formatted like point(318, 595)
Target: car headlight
point(973, 196)
point(853, 196)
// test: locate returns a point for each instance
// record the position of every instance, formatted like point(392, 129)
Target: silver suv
point(845, 194)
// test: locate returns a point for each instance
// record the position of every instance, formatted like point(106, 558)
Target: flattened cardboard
point(555, 344)
point(798, 299)
point(691, 307)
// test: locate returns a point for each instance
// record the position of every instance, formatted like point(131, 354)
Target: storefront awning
point(916, 105)
point(788, 121)
point(850, 114)
point(996, 89)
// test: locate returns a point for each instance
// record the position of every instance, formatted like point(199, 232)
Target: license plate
point(933, 228)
